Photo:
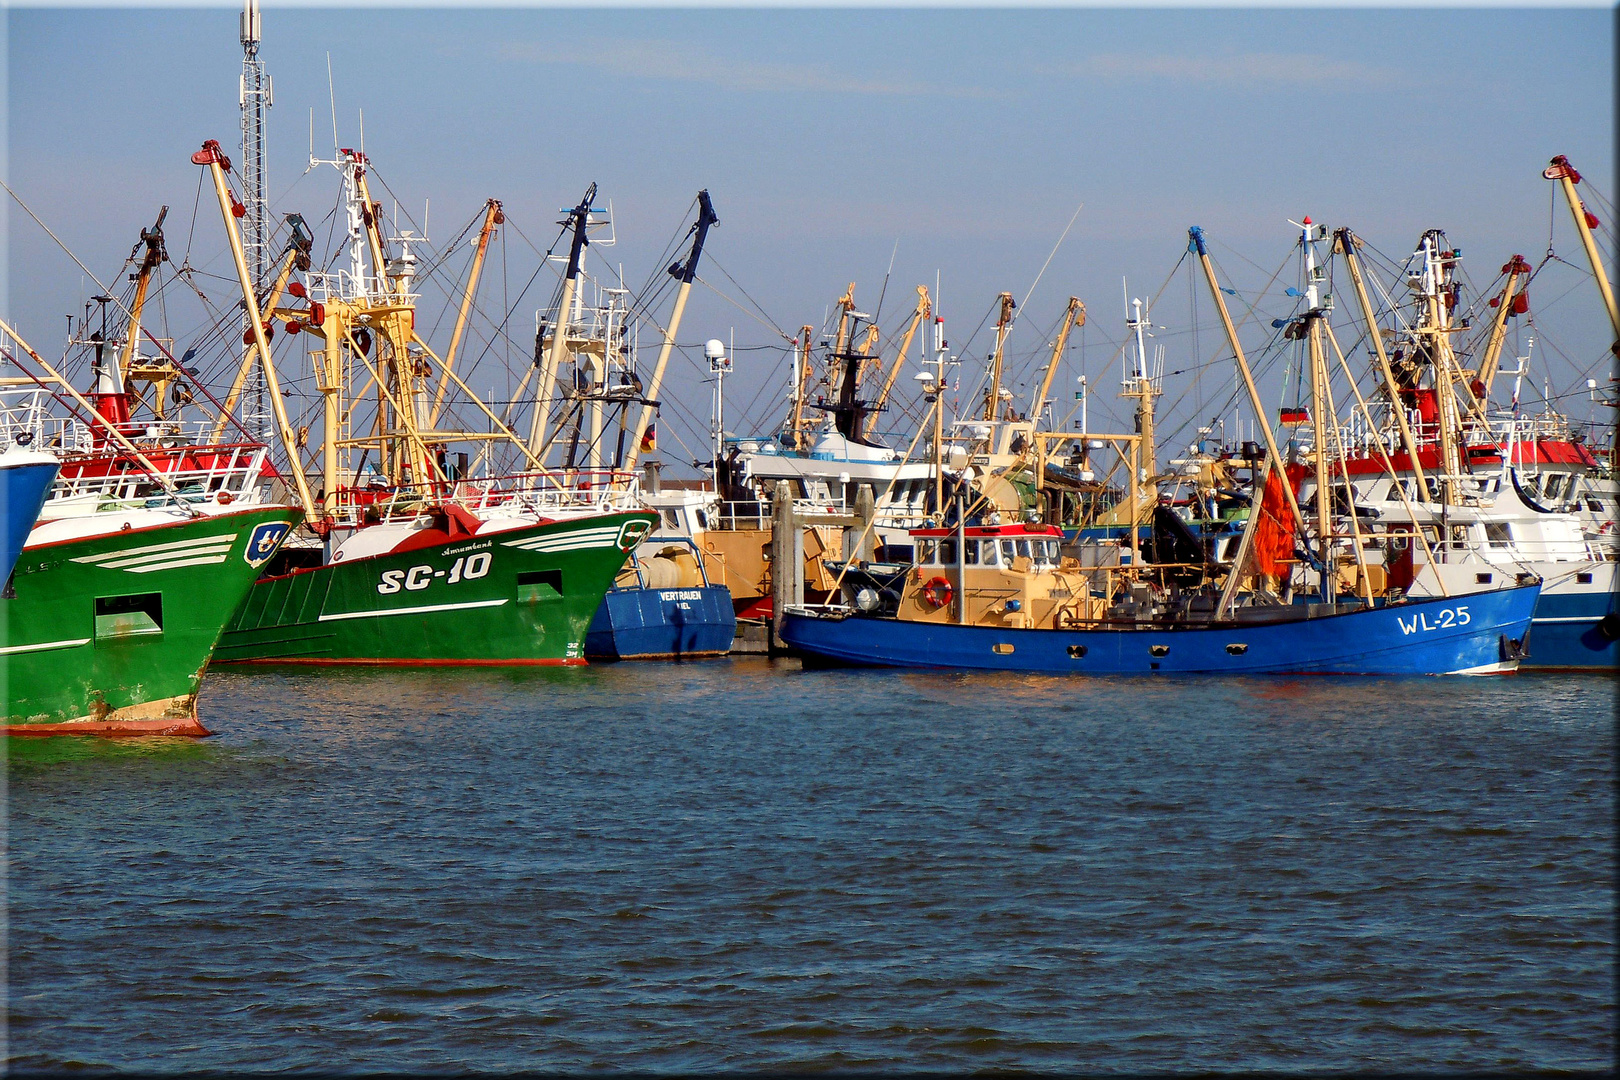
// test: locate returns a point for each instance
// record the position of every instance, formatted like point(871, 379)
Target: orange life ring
point(937, 592)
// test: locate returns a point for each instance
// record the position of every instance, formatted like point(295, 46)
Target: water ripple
point(738, 865)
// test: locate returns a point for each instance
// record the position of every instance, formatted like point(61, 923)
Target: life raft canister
point(938, 592)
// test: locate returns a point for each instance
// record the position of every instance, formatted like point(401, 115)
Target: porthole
point(1159, 650)
point(1237, 649)
point(1001, 648)
point(1077, 651)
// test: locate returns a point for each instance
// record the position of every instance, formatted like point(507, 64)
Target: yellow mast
point(992, 394)
point(846, 307)
point(161, 375)
point(917, 316)
point(1075, 316)
point(1561, 170)
point(1515, 269)
point(393, 322)
point(289, 258)
point(1347, 243)
point(801, 347)
point(211, 156)
point(493, 216)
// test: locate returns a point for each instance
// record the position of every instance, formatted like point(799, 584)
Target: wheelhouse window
point(925, 551)
point(947, 552)
point(1497, 534)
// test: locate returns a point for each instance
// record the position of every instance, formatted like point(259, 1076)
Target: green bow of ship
point(110, 634)
point(522, 595)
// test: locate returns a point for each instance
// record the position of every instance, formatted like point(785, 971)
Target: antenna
point(331, 96)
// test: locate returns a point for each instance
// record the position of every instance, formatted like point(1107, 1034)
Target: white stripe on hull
point(410, 610)
point(150, 550)
point(147, 568)
point(42, 646)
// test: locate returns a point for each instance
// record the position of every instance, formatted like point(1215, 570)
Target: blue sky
point(827, 136)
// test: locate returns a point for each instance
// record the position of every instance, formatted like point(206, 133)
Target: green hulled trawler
point(142, 551)
point(410, 555)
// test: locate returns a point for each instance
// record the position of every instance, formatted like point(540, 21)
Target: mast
point(1143, 386)
point(1515, 269)
point(1434, 331)
point(684, 273)
point(129, 366)
point(992, 393)
point(1075, 316)
point(580, 217)
point(1561, 170)
point(1317, 305)
point(1346, 243)
point(254, 96)
point(1273, 458)
point(917, 316)
point(493, 216)
point(801, 384)
point(217, 163)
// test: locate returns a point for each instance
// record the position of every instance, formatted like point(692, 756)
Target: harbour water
point(739, 864)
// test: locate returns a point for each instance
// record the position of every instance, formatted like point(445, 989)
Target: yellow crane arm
point(1516, 269)
point(923, 308)
point(1561, 170)
point(211, 156)
point(493, 216)
point(1076, 317)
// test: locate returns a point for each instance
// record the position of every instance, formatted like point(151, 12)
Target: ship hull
point(1475, 634)
point(662, 624)
point(520, 596)
point(1577, 626)
point(111, 634)
point(23, 487)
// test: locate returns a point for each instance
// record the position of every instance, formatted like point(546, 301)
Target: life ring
point(938, 592)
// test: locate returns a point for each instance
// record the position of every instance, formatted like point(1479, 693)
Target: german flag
point(649, 440)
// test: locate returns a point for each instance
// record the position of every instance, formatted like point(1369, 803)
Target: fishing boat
point(991, 596)
point(1002, 598)
point(825, 467)
point(114, 617)
point(424, 558)
point(1492, 495)
point(663, 607)
point(123, 587)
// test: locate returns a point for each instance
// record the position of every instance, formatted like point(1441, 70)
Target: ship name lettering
point(417, 578)
point(1444, 619)
point(681, 594)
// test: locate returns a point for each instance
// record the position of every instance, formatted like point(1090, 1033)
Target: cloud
point(1237, 68)
point(677, 61)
